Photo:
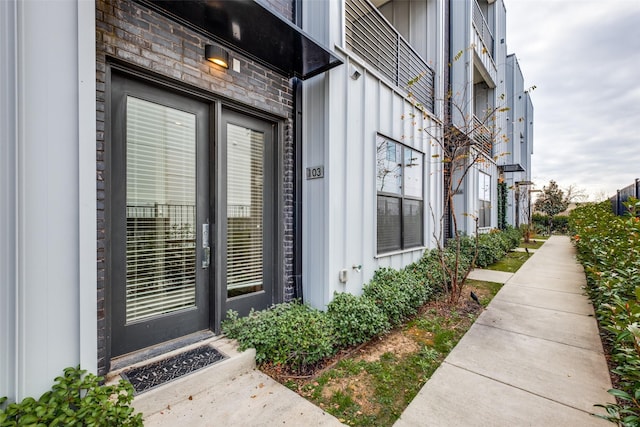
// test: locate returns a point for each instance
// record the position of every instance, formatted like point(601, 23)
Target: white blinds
point(161, 211)
point(245, 149)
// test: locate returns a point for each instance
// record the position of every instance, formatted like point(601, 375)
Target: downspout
point(297, 169)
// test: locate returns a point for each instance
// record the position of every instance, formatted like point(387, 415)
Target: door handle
point(206, 257)
point(206, 249)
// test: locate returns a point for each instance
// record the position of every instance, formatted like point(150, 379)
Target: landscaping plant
point(355, 320)
point(76, 399)
point(289, 334)
point(492, 246)
point(609, 248)
point(399, 294)
point(552, 201)
point(295, 338)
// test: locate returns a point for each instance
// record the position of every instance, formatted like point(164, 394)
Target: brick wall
point(283, 7)
point(130, 33)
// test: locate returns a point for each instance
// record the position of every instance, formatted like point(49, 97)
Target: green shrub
point(430, 265)
point(298, 336)
point(489, 250)
point(609, 249)
point(429, 269)
point(398, 293)
point(76, 399)
point(291, 334)
point(355, 319)
point(492, 246)
point(559, 224)
point(514, 235)
point(467, 246)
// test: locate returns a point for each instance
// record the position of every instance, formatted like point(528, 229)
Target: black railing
point(370, 36)
point(482, 136)
point(621, 197)
point(479, 21)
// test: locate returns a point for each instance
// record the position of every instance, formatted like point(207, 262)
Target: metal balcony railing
point(482, 136)
point(479, 21)
point(373, 38)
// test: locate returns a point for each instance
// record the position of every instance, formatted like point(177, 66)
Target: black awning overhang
point(517, 167)
point(253, 30)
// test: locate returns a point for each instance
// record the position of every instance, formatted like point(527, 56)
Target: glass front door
point(193, 215)
point(160, 212)
point(249, 231)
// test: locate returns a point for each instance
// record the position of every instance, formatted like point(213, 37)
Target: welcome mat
point(144, 378)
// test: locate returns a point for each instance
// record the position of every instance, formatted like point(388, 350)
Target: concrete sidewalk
point(229, 393)
point(533, 358)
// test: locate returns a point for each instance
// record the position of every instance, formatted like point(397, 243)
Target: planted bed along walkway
point(533, 357)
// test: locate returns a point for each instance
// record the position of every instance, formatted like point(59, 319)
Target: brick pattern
point(283, 7)
point(131, 33)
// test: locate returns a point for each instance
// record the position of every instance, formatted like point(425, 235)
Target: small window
point(484, 195)
point(399, 183)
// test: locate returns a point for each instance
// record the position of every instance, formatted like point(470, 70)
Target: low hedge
point(492, 246)
point(609, 249)
point(398, 293)
point(290, 334)
point(298, 336)
point(355, 319)
point(559, 224)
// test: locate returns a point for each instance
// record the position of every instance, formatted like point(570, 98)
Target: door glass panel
point(161, 209)
point(245, 158)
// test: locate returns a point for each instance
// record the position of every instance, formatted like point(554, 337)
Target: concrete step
point(184, 388)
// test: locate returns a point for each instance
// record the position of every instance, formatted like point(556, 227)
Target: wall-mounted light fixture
point(217, 55)
point(354, 73)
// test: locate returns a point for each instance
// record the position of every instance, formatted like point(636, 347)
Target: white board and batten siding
point(48, 193)
point(342, 118)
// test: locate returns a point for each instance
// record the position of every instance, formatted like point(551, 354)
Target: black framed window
point(484, 202)
point(400, 187)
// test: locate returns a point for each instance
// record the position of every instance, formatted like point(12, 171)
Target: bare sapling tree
point(575, 194)
point(465, 141)
point(523, 197)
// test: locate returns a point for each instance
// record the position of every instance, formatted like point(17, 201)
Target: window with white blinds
point(245, 235)
point(161, 209)
point(399, 181)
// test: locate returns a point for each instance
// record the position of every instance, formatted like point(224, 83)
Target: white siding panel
point(336, 173)
point(384, 108)
point(315, 195)
point(8, 168)
point(354, 161)
point(51, 148)
point(371, 98)
point(346, 224)
point(47, 232)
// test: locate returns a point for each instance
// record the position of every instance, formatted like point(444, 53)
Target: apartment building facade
point(489, 103)
point(362, 122)
point(516, 165)
point(168, 161)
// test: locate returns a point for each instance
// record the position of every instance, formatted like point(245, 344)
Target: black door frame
point(148, 332)
point(217, 304)
point(273, 268)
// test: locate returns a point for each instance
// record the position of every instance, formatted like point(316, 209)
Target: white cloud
point(584, 58)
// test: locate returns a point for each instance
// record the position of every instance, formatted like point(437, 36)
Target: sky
point(583, 56)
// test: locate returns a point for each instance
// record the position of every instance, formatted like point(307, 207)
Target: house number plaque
point(315, 172)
